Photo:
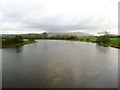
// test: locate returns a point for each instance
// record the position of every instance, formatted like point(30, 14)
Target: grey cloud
point(34, 16)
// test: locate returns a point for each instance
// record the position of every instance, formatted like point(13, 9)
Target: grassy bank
point(17, 45)
point(88, 39)
point(102, 40)
point(114, 42)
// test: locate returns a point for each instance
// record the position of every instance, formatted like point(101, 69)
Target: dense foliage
point(64, 37)
point(16, 41)
point(12, 40)
point(101, 40)
point(31, 38)
point(104, 40)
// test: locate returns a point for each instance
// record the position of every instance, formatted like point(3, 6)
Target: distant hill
point(52, 34)
point(71, 34)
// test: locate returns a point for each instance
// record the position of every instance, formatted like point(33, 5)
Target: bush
point(31, 38)
point(88, 39)
point(12, 40)
point(18, 39)
point(102, 39)
point(44, 35)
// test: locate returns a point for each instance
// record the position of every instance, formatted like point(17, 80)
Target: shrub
point(103, 39)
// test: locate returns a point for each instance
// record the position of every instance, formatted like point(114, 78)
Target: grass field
point(114, 42)
point(91, 39)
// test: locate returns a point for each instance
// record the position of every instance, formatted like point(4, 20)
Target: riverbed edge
point(18, 45)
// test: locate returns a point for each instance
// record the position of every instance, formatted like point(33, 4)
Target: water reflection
point(19, 49)
point(102, 48)
point(60, 64)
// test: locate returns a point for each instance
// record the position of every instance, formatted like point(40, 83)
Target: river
point(60, 64)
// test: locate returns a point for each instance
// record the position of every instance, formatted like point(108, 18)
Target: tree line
point(15, 39)
point(31, 37)
point(12, 40)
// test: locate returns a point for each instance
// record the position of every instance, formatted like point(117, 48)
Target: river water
point(60, 64)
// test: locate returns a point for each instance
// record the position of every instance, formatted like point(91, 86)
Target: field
point(114, 42)
point(90, 39)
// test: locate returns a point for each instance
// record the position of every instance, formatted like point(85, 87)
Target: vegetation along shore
point(16, 41)
point(20, 40)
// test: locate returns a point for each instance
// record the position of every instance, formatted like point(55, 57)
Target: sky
point(37, 16)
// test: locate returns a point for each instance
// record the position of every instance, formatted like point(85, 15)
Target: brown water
point(60, 64)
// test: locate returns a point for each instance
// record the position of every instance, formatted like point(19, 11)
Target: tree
point(45, 35)
point(31, 38)
point(18, 39)
point(88, 39)
point(102, 39)
point(81, 39)
point(12, 40)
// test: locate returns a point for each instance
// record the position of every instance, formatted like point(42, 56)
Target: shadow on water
point(102, 48)
point(19, 49)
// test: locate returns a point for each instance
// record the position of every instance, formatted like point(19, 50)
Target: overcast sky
point(36, 16)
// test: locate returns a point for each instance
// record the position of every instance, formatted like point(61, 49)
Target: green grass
point(91, 39)
point(115, 41)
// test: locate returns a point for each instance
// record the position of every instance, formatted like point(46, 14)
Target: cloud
point(24, 16)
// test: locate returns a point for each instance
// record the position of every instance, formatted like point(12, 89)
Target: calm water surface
point(60, 64)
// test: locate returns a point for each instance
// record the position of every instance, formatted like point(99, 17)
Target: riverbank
point(69, 60)
point(18, 44)
point(114, 42)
